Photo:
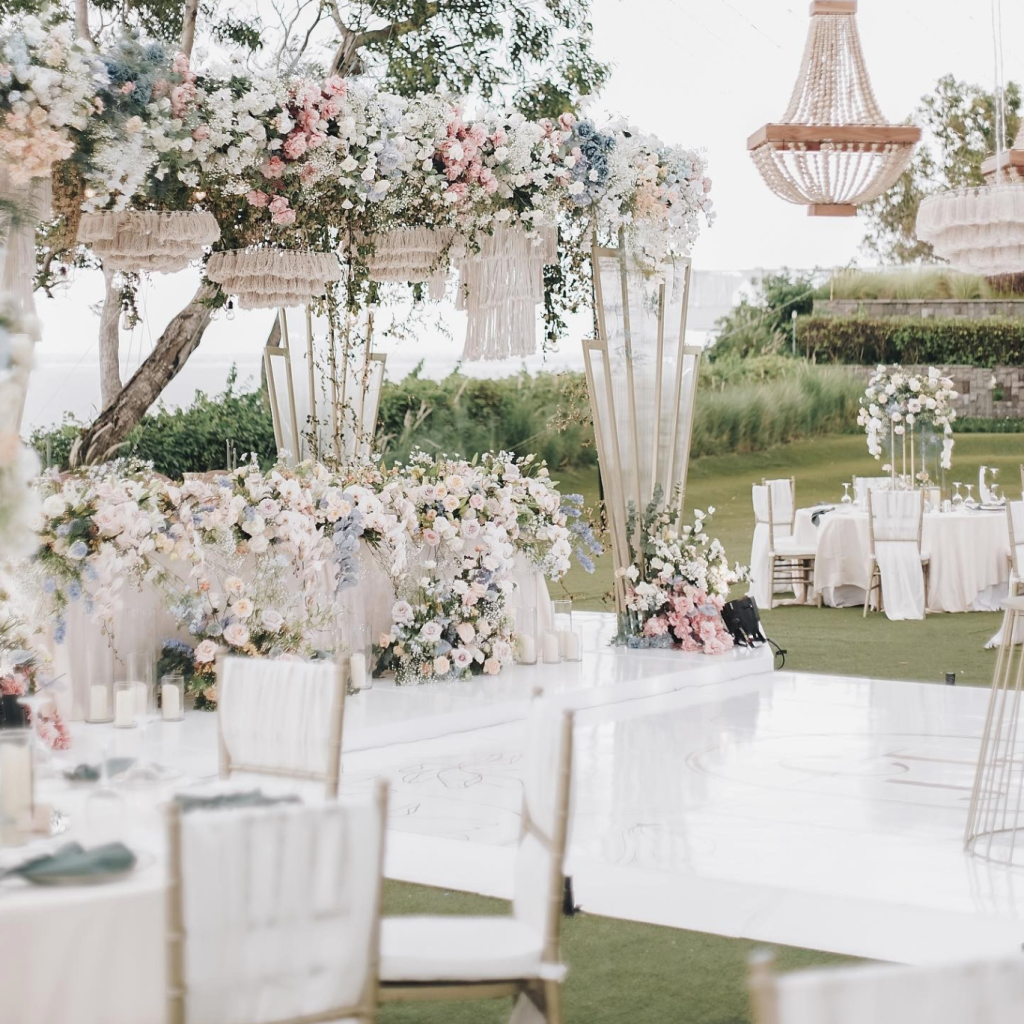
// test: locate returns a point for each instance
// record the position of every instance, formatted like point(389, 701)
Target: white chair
point(778, 562)
point(461, 957)
point(273, 912)
point(863, 484)
point(897, 568)
point(278, 717)
point(982, 992)
point(1015, 559)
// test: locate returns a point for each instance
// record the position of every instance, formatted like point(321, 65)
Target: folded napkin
point(818, 513)
point(73, 859)
point(219, 801)
point(91, 772)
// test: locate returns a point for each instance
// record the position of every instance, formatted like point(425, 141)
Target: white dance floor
point(710, 793)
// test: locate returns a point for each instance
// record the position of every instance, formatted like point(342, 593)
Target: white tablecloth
point(968, 551)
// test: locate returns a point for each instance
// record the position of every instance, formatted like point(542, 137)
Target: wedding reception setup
point(464, 651)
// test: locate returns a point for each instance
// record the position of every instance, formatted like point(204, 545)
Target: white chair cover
point(1015, 510)
point(989, 992)
point(863, 484)
point(277, 713)
point(782, 517)
point(896, 522)
point(279, 907)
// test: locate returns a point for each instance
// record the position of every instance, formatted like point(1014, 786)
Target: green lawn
point(831, 640)
point(619, 971)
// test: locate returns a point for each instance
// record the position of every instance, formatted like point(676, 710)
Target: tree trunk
point(110, 342)
point(176, 344)
point(188, 26)
point(82, 19)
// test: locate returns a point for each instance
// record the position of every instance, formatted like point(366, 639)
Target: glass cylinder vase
point(17, 786)
point(99, 675)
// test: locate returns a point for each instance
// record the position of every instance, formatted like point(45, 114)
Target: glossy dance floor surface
point(710, 793)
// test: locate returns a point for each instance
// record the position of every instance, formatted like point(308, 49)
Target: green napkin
point(219, 801)
point(91, 772)
point(73, 859)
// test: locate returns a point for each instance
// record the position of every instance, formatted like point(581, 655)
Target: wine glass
point(958, 498)
point(970, 495)
point(104, 806)
point(846, 499)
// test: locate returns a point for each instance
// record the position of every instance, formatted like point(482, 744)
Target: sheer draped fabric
point(863, 484)
point(896, 518)
point(279, 907)
point(989, 992)
point(277, 714)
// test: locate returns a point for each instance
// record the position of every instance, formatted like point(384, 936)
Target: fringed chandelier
point(980, 229)
point(833, 149)
point(147, 240)
point(267, 278)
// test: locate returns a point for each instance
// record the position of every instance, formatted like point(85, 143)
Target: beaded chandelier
point(832, 150)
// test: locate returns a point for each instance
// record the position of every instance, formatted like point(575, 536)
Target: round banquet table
point(968, 551)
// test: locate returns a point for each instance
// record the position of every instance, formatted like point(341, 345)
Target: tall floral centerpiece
point(677, 583)
point(909, 418)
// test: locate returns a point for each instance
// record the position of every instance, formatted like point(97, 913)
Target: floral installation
point(23, 664)
point(896, 399)
point(18, 463)
point(678, 582)
point(272, 156)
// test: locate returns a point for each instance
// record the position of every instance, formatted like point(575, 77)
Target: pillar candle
point(124, 709)
point(551, 648)
point(357, 667)
point(571, 645)
point(99, 708)
point(15, 781)
point(170, 698)
point(527, 648)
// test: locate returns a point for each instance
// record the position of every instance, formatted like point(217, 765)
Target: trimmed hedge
point(912, 341)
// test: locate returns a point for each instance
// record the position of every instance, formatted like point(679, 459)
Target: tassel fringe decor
point(136, 240)
point(272, 278)
point(500, 288)
point(411, 256)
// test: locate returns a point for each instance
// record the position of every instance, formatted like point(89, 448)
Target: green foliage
point(916, 283)
point(959, 120)
point(764, 324)
point(912, 340)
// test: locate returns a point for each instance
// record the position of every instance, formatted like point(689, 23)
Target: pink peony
point(180, 64)
point(335, 86)
point(295, 145)
point(656, 626)
point(284, 218)
point(128, 88)
point(257, 198)
point(273, 168)
point(278, 204)
point(566, 122)
point(488, 180)
point(202, 132)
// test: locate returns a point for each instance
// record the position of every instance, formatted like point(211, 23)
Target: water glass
point(99, 675)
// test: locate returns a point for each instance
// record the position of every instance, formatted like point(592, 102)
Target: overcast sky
point(699, 72)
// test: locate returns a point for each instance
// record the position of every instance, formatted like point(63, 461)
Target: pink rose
point(278, 203)
point(180, 64)
point(202, 132)
point(335, 86)
point(295, 145)
point(492, 667)
point(257, 198)
point(655, 627)
point(273, 168)
point(284, 218)
point(128, 88)
point(566, 122)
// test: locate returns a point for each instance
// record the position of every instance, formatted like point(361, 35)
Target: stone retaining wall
point(925, 308)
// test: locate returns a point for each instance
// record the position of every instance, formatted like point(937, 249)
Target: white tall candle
point(124, 709)
point(563, 640)
point(357, 666)
point(527, 648)
point(99, 707)
point(572, 646)
point(170, 698)
point(552, 654)
point(15, 781)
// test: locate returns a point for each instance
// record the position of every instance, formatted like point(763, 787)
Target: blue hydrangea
point(64, 529)
point(79, 549)
point(49, 585)
point(60, 630)
point(74, 590)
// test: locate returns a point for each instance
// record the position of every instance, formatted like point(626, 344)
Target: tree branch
point(346, 59)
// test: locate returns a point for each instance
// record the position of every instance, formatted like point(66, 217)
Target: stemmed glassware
point(970, 494)
point(958, 498)
point(846, 499)
point(104, 806)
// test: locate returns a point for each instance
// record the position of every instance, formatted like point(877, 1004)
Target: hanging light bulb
point(230, 315)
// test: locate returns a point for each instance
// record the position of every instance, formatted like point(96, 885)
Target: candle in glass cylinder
point(571, 646)
point(15, 781)
point(124, 708)
point(141, 698)
point(357, 670)
point(527, 649)
point(552, 654)
point(99, 709)
point(170, 700)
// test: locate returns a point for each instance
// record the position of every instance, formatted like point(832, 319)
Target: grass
point(907, 283)
point(831, 640)
point(618, 970)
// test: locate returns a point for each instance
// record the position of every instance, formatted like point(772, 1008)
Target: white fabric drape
point(782, 518)
point(988, 992)
point(863, 484)
point(1015, 528)
point(278, 908)
point(277, 713)
point(896, 522)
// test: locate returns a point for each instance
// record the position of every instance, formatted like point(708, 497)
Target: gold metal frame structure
point(995, 816)
point(336, 415)
point(642, 380)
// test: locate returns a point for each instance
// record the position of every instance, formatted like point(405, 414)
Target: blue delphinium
point(587, 545)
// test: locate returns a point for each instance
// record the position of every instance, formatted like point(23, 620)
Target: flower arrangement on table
point(284, 159)
point(18, 463)
point(677, 583)
point(897, 401)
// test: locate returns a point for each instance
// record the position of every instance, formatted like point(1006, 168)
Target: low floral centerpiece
point(677, 583)
point(904, 414)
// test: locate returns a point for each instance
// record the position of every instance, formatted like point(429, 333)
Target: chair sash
point(279, 909)
point(896, 531)
point(863, 484)
point(1015, 521)
point(773, 520)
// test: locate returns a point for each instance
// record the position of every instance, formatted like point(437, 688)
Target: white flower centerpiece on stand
point(909, 418)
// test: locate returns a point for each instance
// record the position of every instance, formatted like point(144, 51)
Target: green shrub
point(912, 340)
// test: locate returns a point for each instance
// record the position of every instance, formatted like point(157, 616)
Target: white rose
point(205, 652)
point(236, 634)
point(241, 609)
point(272, 620)
point(54, 506)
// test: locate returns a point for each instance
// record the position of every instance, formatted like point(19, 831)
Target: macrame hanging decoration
point(268, 278)
point(147, 240)
point(832, 150)
point(980, 230)
point(500, 288)
point(411, 256)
